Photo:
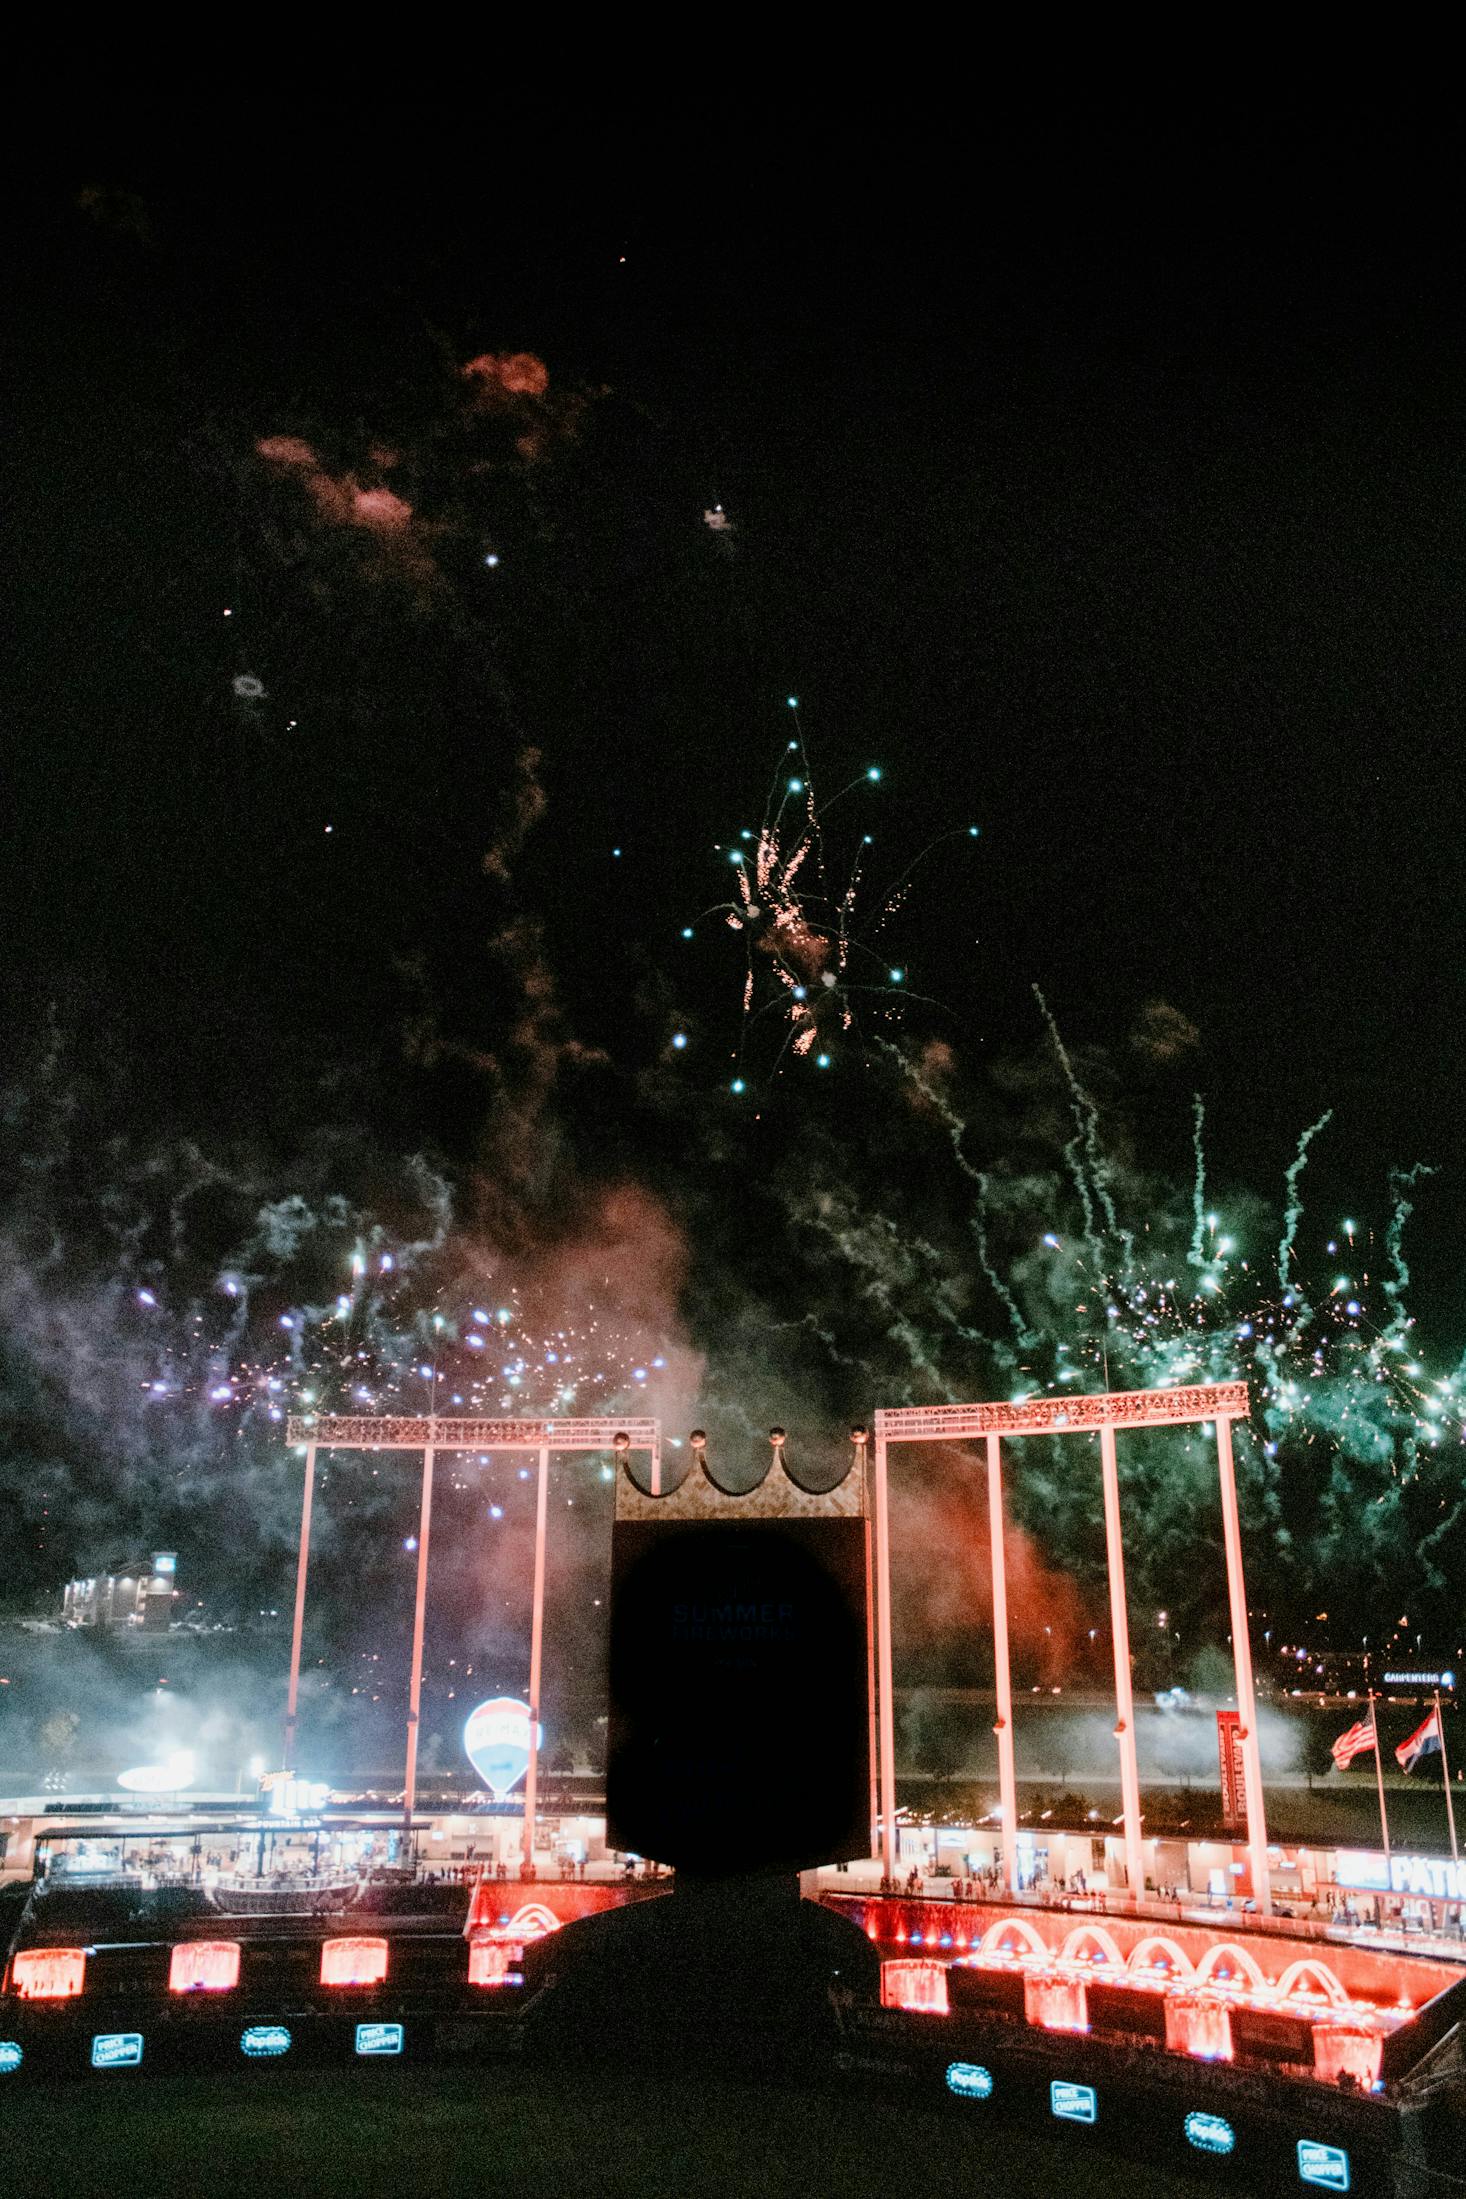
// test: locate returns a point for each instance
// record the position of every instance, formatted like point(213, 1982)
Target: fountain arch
point(1309, 1966)
point(1034, 1943)
point(1142, 1955)
point(1096, 1935)
point(1227, 1950)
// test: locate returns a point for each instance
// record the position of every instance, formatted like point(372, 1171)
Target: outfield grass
point(513, 2130)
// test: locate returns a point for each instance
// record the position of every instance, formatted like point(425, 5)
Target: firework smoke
point(1089, 1275)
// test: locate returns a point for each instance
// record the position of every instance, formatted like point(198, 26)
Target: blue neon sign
point(264, 2039)
point(11, 2057)
point(1073, 2103)
point(1325, 2166)
point(969, 2080)
point(379, 2038)
point(1209, 2133)
point(117, 2049)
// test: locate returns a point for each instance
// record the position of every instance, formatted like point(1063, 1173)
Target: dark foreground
point(526, 2130)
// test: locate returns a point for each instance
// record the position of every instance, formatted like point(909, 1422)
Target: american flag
point(1354, 1743)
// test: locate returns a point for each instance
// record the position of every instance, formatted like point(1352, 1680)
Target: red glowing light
point(1340, 2051)
point(1199, 2027)
point(356, 1961)
point(1058, 2004)
point(532, 1921)
point(1325, 1986)
point(488, 1962)
point(918, 1985)
point(49, 1973)
point(204, 1965)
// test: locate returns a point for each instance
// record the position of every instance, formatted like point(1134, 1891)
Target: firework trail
point(1398, 1281)
point(1352, 1457)
point(1086, 1118)
point(1194, 1252)
point(978, 1220)
point(1294, 1211)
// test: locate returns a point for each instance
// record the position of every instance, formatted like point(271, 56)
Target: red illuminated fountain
point(496, 1939)
point(1198, 1994)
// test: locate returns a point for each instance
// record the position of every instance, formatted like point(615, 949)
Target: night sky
point(1134, 536)
point(1106, 493)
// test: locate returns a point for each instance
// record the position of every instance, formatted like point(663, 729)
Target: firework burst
point(811, 927)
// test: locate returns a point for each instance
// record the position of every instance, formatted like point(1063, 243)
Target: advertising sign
point(969, 2080)
point(1325, 2166)
point(117, 2049)
point(496, 1743)
point(11, 2057)
point(1229, 1752)
point(379, 2038)
point(1073, 2103)
point(1435, 1876)
point(1209, 2133)
point(265, 2039)
point(292, 1796)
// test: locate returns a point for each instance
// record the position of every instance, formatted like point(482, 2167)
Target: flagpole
point(1379, 1774)
point(1440, 1727)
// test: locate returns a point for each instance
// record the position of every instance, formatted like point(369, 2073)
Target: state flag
point(1424, 1741)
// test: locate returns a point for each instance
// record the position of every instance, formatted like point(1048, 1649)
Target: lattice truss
point(1066, 1415)
point(389, 1432)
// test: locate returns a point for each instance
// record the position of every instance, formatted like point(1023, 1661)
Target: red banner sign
point(1229, 1750)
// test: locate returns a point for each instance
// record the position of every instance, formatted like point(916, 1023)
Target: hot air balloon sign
point(496, 1743)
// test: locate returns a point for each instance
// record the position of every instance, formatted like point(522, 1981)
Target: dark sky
point(1108, 492)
